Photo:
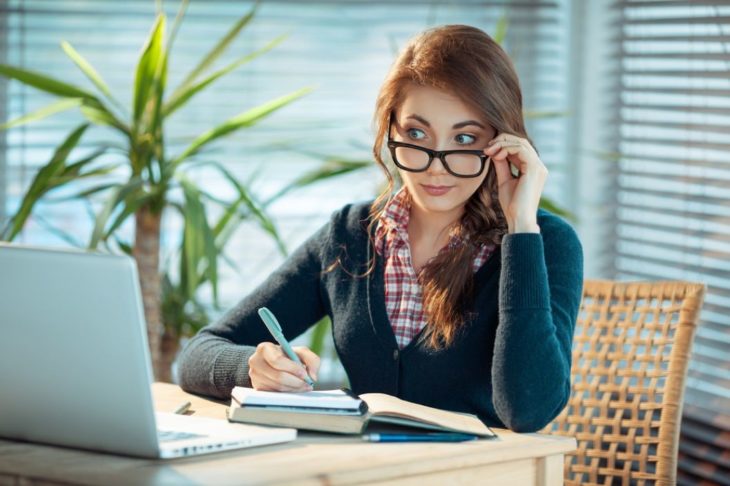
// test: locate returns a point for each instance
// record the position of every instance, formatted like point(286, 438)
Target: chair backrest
point(630, 353)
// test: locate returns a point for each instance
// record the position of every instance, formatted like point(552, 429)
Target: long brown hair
point(468, 63)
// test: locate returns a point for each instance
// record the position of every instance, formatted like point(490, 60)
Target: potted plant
point(143, 182)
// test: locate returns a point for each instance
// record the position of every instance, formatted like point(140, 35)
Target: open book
point(342, 412)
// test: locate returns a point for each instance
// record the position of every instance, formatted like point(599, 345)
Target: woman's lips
point(436, 190)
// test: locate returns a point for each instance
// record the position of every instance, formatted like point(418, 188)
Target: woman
point(456, 291)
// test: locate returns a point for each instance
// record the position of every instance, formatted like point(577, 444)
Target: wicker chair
point(630, 353)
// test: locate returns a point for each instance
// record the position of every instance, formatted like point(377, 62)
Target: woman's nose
point(437, 166)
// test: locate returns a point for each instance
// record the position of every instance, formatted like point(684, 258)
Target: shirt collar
point(398, 212)
point(396, 216)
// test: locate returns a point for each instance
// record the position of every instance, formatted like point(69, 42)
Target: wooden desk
point(523, 459)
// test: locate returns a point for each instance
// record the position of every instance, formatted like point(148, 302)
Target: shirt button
point(395, 355)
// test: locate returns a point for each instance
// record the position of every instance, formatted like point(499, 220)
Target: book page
point(382, 404)
point(333, 399)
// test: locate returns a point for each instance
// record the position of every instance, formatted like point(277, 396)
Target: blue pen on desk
point(428, 437)
point(275, 329)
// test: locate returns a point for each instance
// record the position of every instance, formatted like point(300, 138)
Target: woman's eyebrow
point(457, 125)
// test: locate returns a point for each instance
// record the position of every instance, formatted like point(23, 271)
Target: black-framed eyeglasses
point(414, 158)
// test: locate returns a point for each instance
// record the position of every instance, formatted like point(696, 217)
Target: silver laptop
point(74, 364)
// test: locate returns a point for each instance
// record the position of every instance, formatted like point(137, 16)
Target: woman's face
point(438, 120)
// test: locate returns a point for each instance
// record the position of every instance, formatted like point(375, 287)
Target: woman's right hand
point(271, 369)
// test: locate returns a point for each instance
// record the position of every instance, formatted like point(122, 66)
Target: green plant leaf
point(245, 119)
point(500, 31)
point(228, 229)
point(86, 192)
point(176, 23)
point(117, 197)
point(42, 182)
point(550, 205)
point(258, 212)
point(158, 92)
point(63, 235)
point(100, 171)
point(533, 114)
point(609, 156)
point(88, 70)
point(157, 152)
point(49, 110)
point(72, 173)
point(43, 82)
point(319, 334)
point(218, 49)
point(227, 224)
point(333, 167)
point(75, 167)
point(131, 203)
point(221, 232)
point(183, 94)
point(198, 242)
point(147, 144)
point(147, 68)
point(230, 218)
point(218, 200)
point(124, 246)
point(97, 113)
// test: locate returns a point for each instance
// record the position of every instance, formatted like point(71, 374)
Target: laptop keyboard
point(172, 435)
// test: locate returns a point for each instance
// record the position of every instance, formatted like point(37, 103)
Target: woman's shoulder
point(352, 218)
point(347, 236)
point(554, 225)
point(358, 209)
point(556, 230)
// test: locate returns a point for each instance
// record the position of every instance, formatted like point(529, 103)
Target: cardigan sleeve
point(216, 359)
point(540, 291)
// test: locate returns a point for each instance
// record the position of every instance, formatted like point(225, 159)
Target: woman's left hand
point(519, 197)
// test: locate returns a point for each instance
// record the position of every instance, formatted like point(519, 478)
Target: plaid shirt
point(403, 295)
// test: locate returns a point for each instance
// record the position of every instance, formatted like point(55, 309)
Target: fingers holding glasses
point(500, 149)
point(518, 151)
point(519, 197)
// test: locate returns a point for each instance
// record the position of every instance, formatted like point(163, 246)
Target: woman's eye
point(464, 139)
point(415, 133)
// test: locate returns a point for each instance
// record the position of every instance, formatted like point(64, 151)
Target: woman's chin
point(438, 204)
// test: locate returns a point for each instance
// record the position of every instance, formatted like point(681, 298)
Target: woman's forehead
point(436, 106)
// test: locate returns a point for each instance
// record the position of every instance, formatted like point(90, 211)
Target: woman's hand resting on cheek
point(519, 197)
point(270, 369)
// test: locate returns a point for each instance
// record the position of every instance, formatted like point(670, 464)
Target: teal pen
point(428, 437)
point(275, 329)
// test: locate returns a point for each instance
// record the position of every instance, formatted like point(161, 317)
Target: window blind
point(672, 191)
